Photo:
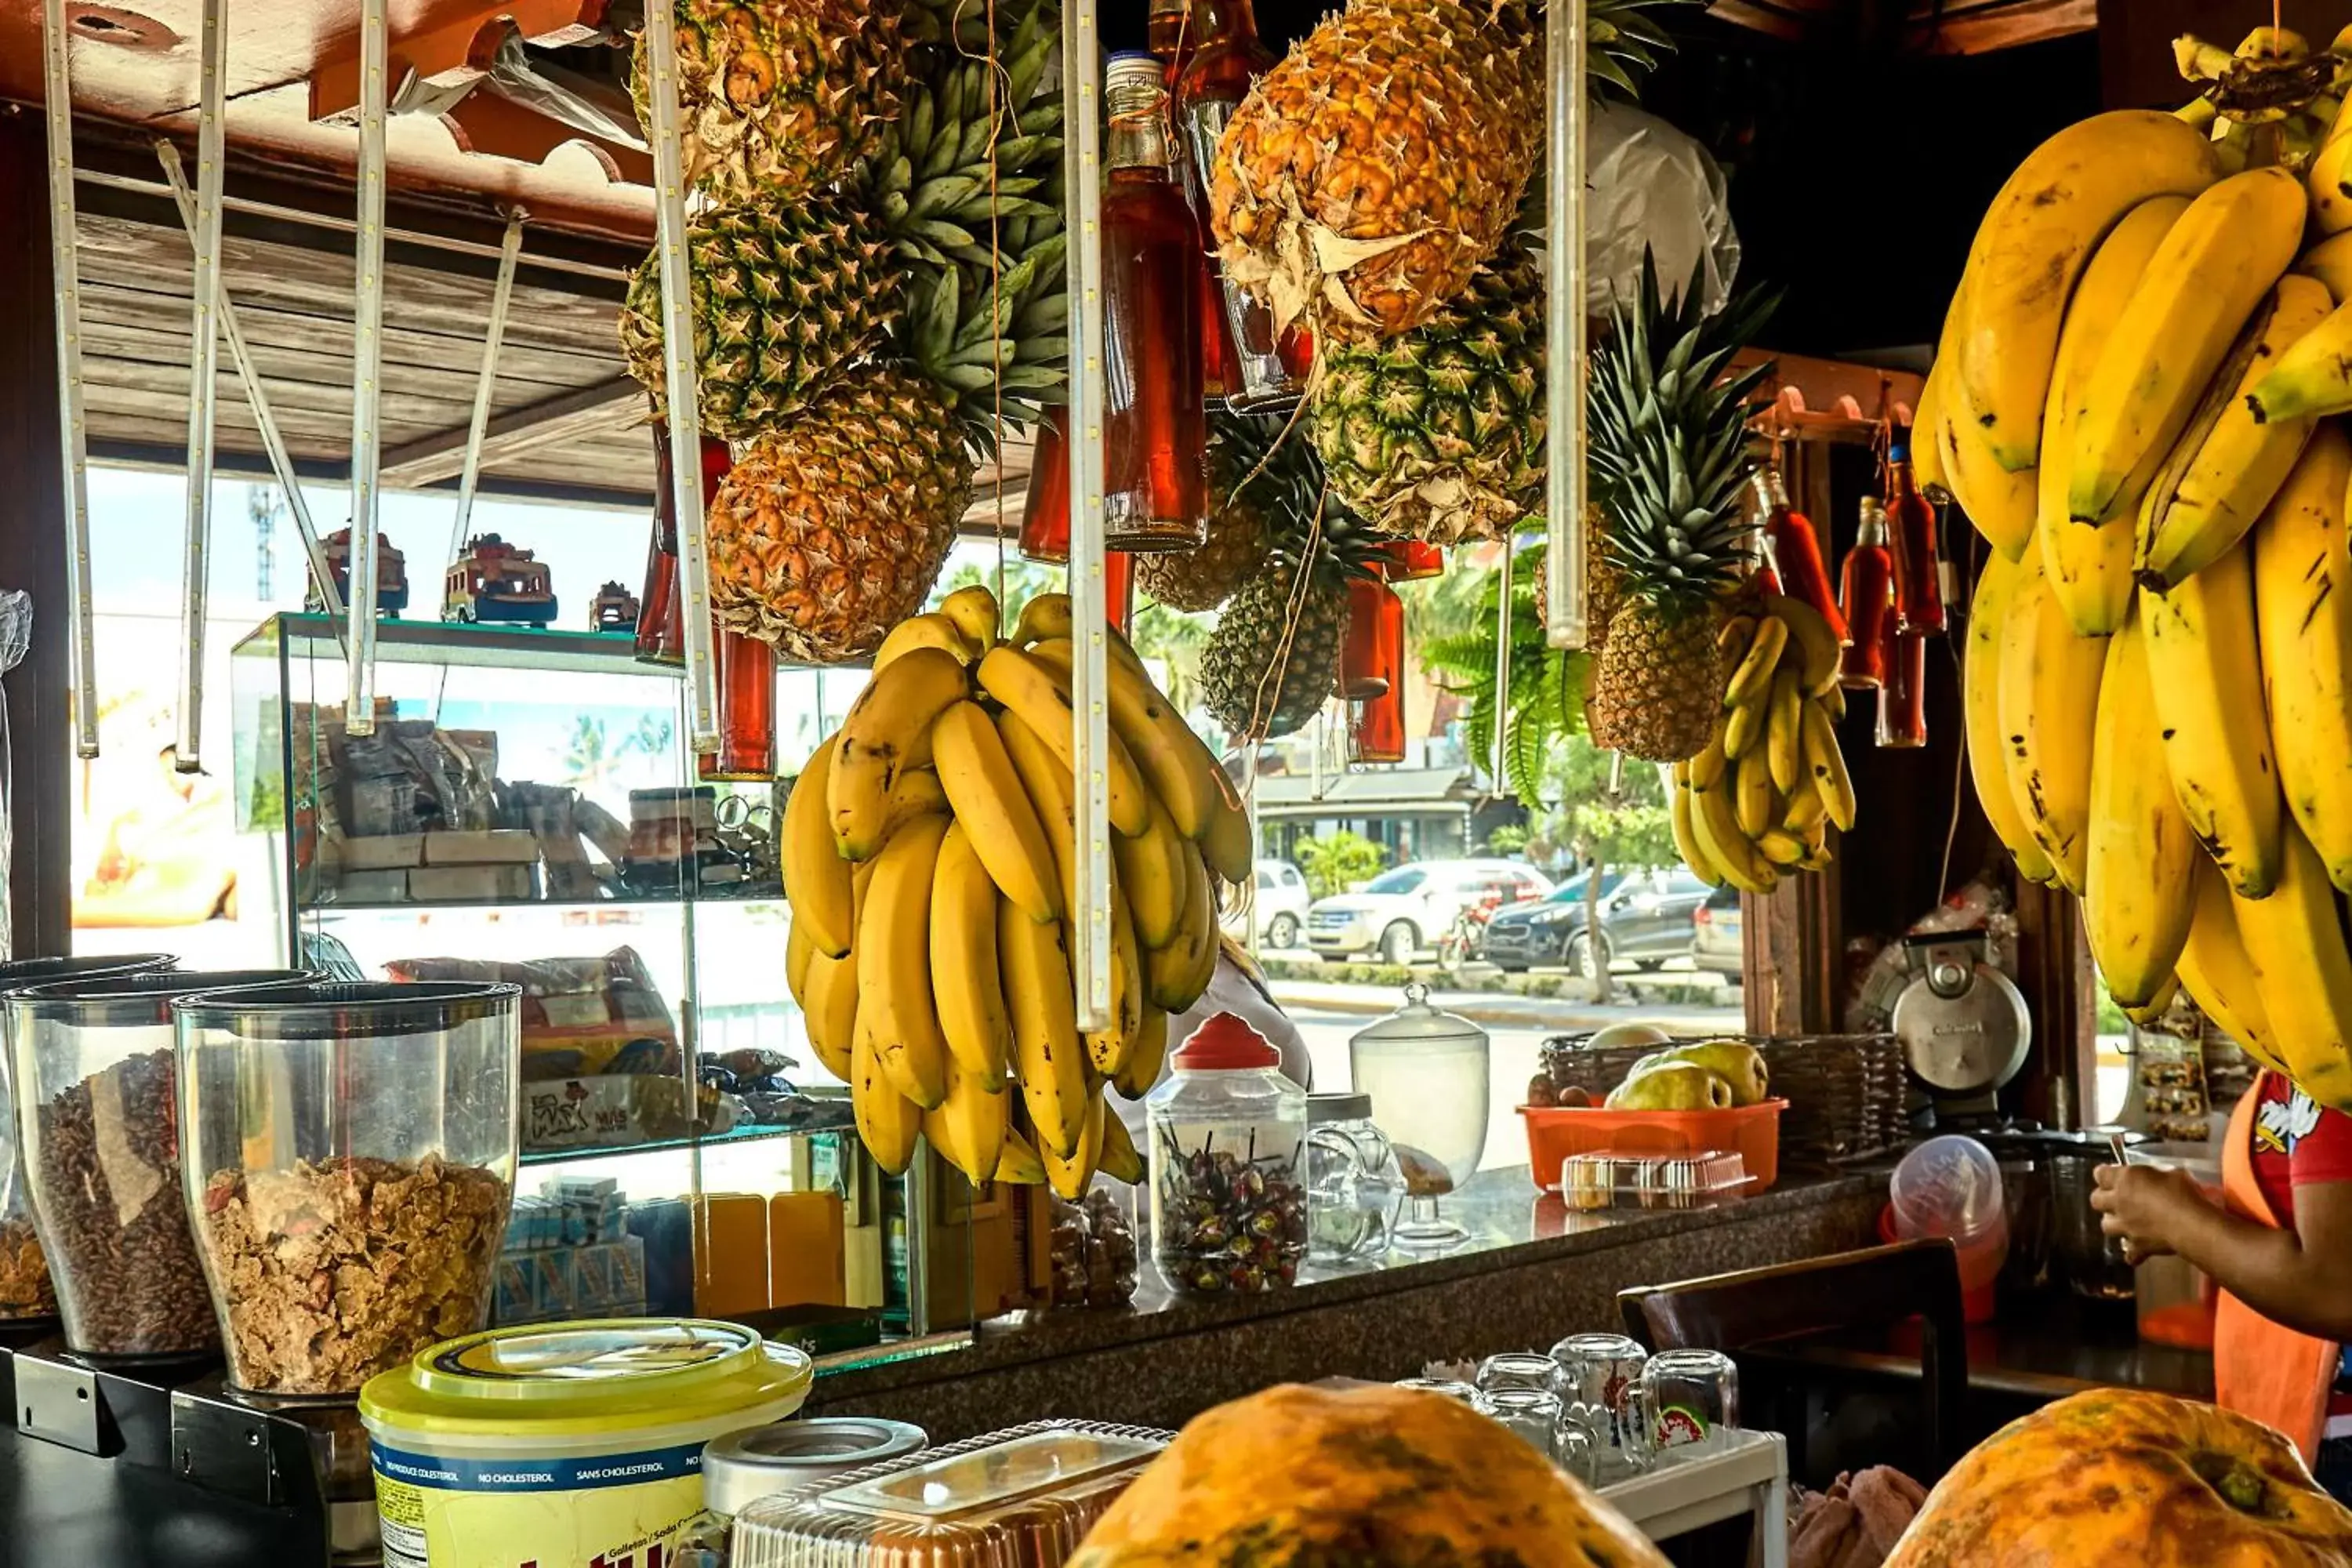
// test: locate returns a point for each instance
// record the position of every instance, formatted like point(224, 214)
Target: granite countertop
point(1511, 1225)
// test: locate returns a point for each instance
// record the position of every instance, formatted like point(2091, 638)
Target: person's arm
point(2299, 1277)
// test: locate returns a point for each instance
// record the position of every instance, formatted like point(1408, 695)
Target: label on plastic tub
point(614, 1510)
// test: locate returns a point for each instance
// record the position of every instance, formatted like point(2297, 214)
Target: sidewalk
point(1559, 1014)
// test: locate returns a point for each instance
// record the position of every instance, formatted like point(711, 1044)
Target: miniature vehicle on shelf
point(495, 581)
point(391, 574)
point(615, 609)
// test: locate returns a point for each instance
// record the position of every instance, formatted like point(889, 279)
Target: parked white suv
point(1408, 908)
point(1280, 909)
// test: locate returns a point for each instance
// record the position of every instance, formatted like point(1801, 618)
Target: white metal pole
point(684, 417)
point(367, 367)
point(1089, 597)
point(1565, 107)
point(1502, 667)
point(502, 295)
point(65, 275)
point(204, 364)
point(280, 462)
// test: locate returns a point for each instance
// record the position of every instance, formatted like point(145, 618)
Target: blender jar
point(27, 1292)
point(1228, 1194)
point(350, 1169)
point(1354, 1186)
point(1427, 1072)
point(96, 1118)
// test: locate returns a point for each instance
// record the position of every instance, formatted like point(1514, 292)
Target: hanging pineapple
point(1670, 457)
point(1274, 658)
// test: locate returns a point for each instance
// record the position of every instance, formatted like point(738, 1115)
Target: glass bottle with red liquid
point(1155, 430)
point(1911, 534)
point(1371, 672)
point(1173, 41)
point(1226, 57)
point(1903, 694)
point(1045, 520)
point(1867, 600)
point(1796, 550)
point(746, 676)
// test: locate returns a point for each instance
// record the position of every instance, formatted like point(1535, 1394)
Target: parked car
point(1280, 907)
point(1716, 945)
point(1645, 917)
point(1407, 908)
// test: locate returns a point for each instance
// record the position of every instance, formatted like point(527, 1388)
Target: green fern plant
point(1547, 697)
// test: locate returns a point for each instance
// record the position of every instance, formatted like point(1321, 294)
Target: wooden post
point(33, 552)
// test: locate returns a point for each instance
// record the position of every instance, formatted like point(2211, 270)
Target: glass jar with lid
point(1427, 1072)
point(1228, 1193)
point(1354, 1186)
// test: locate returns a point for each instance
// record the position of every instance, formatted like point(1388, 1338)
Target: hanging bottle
point(1903, 694)
point(1045, 512)
point(746, 674)
point(1174, 41)
point(1796, 550)
point(1867, 601)
point(1911, 534)
point(1368, 651)
point(1409, 560)
point(1154, 429)
point(1270, 372)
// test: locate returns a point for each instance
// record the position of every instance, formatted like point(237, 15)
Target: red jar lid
point(1226, 1042)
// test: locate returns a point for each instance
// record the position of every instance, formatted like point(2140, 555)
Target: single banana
point(1754, 672)
point(1737, 632)
point(1781, 846)
point(887, 1121)
point(1172, 976)
point(1811, 640)
point(2304, 972)
point(1753, 804)
point(1714, 822)
point(974, 611)
point(2330, 261)
point(2303, 603)
point(2000, 501)
point(1926, 458)
point(2312, 378)
point(1018, 1163)
point(1049, 1059)
point(1748, 724)
point(797, 954)
point(2329, 183)
point(1027, 687)
point(1044, 615)
point(2139, 860)
point(2149, 1012)
point(968, 1127)
point(884, 724)
point(1980, 708)
point(1227, 842)
point(1807, 811)
point(2033, 245)
point(2049, 702)
point(894, 963)
point(1686, 844)
point(1710, 767)
point(831, 1012)
point(1121, 1160)
point(2090, 568)
point(816, 879)
point(2203, 657)
point(916, 791)
point(2240, 462)
point(968, 988)
point(1136, 1078)
point(1108, 1048)
point(2215, 266)
point(933, 630)
point(993, 807)
point(1825, 767)
point(1070, 1175)
point(1151, 870)
point(1050, 792)
point(1784, 747)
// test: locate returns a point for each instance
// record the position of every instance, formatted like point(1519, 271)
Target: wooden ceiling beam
point(2000, 25)
point(554, 421)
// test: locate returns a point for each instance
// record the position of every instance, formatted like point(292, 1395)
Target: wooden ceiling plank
point(2001, 24)
point(588, 411)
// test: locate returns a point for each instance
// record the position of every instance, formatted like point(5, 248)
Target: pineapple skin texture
point(1657, 690)
point(1248, 643)
point(833, 527)
point(1365, 177)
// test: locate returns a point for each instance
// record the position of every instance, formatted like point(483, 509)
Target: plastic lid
point(1417, 1020)
point(586, 1378)
point(1946, 1187)
point(761, 1461)
point(1226, 1043)
point(1339, 1105)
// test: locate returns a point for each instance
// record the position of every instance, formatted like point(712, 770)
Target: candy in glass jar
point(1228, 1188)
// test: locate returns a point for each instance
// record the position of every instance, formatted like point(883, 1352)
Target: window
point(1404, 879)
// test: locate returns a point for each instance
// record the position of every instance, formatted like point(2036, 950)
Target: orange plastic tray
point(1751, 1132)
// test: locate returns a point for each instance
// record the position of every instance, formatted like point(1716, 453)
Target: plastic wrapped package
point(1017, 1498)
point(1651, 187)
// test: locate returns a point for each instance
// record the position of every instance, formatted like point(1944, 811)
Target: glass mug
point(1601, 1381)
point(1518, 1369)
point(1692, 1399)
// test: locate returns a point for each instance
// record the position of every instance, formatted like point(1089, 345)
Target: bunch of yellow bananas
point(930, 858)
point(1763, 796)
point(2134, 402)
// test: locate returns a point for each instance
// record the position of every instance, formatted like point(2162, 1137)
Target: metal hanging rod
point(367, 366)
point(502, 296)
point(109, 180)
point(81, 640)
point(203, 365)
point(1089, 594)
point(1566, 110)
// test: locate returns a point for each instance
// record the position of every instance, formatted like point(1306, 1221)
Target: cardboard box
point(494, 847)
point(471, 884)
point(384, 852)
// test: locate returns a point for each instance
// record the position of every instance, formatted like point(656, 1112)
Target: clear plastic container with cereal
point(1229, 1212)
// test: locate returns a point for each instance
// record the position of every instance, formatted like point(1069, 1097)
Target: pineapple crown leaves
point(1623, 42)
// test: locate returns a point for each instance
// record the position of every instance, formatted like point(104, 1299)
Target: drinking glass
point(1534, 1413)
point(1460, 1393)
point(1600, 1378)
point(1692, 1398)
point(1518, 1369)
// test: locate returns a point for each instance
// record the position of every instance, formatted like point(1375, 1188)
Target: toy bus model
point(391, 574)
point(615, 609)
point(496, 582)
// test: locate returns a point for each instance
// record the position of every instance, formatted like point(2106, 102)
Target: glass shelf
point(309, 637)
point(749, 1133)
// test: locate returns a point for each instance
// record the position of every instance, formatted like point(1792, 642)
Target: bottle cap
point(1226, 1043)
point(1129, 69)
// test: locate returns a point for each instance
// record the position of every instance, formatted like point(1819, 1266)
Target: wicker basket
point(1846, 1092)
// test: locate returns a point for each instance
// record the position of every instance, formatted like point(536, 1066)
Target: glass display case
point(527, 812)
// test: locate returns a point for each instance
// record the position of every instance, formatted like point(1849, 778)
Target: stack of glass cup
point(1599, 1406)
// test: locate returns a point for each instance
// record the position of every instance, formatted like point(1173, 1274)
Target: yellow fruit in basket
point(1616, 1035)
point(1671, 1086)
point(1737, 1063)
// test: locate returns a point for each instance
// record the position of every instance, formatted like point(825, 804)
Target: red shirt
point(2298, 1143)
